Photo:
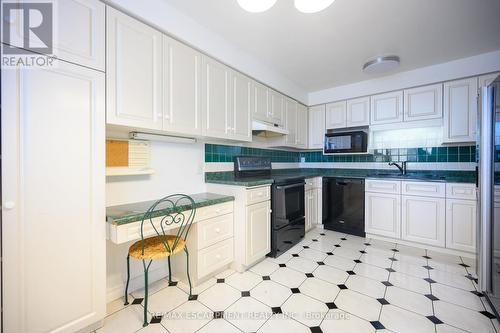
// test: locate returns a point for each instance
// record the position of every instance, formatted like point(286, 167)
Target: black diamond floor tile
point(320, 263)
point(266, 278)
point(282, 265)
point(331, 305)
point(464, 265)
point(394, 250)
point(156, 319)
point(245, 293)
point(309, 275)
point(342, 286)
point(487, 314)
point(393, 259)
point(137, 300)
point(329, 253)
point(426, 257)
point(430, 280)
point(387, 283)
point(337, 245)
point(305, 247)
point(172, 284)
point(362, 251)
point(390, 270)
point(350, 272)
point(321, 234)
point(295, 255)
point(434, 319)
point(316, 329)
point(357, 261)
point(377, 325)
point(427, 267)
point(193, 297)
point(432, 297)
point(314, 240)
point(218, 314)
point(295, 290)
point(367, 244)
point(276, 310)
point(220, 280)
point(382, 301)
point(343, 238)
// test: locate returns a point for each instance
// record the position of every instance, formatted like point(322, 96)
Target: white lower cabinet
point(383, 214)
point(313, 202)
point(461, 225)
point(310, 209)
point(423, 220)
point(258, 231)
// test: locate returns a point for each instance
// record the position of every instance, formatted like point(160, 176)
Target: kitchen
point(307, 184)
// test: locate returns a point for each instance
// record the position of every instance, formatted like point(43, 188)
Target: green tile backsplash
point(224, 153)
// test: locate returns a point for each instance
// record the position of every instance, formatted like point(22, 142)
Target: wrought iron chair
point(173, 211)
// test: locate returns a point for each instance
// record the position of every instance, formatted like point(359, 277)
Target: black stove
point(287, 202)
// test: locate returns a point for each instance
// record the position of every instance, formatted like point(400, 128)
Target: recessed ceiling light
point(312, 6)
point(256, 6)
point(381, 64)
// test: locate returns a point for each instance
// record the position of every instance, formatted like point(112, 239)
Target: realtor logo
point(27, 26)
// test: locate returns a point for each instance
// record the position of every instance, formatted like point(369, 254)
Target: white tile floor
point(330, 282)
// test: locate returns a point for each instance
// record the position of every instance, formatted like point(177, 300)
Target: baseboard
point(136, 283)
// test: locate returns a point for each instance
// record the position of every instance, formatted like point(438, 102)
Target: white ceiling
point(326, 49)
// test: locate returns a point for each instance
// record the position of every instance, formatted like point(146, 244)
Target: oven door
point(348, 142)
point(288, 204)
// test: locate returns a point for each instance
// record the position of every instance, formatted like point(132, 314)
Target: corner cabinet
point(291, 122)
point(316, 127)
point(181, 88)
point(53, 213)
point(460, 110)
point(386, 108)
point(302, 126)
point(133, 73)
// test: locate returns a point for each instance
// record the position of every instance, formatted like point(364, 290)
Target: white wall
point(480, 64)
point(178, 169)
point(168, 19)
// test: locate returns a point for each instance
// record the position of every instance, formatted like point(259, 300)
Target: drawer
point(214, 230)
point(258, 194)
point(424, 189)
point(461, 191)
point(383, 186)
point(214, 257)
point(209, 212)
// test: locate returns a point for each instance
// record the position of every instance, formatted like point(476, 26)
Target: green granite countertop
point(133, 212)
point(228, 178)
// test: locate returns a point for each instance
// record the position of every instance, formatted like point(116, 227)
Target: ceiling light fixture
point(256, 6)
point(381, 64)
point(312, 6)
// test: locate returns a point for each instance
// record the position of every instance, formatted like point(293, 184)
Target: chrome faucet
point(402, 167)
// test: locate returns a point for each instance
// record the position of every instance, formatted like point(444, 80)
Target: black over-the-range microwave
point(345, 142)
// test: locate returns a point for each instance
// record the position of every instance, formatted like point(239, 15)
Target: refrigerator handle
point(477, 176)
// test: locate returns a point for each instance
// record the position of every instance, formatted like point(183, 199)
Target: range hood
point(267, 130)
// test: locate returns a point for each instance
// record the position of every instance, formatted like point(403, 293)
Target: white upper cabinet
point(276, 107)
point(485, 80)
point(316, 126)
point(460, 110)
point(215, 99)
point(81, 34)
point(358, 112)
point(386, 108)
point(423, 103)
point(302, 126)
point(291, 122)
point(335, 115)
point(241, 107)
point(134, 67)
point(260, 105)
point(182, 88)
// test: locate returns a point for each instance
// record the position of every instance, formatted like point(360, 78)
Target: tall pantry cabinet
point(53, 209)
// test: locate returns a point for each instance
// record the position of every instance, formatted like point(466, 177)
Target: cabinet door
point(383, 214)
point(302, 126)
point(240, 115)
point(309, 207)
point(358, 112)
point(336, 115)
point(215, 99)
point(460, 108)
point(276, 107)
point(258, 231)
point(319, 205)
point(423, 103)
point(133, 76)
point(53, 236)
point(291, 122)
point(485, 80)
point(182, 79)
point(386, 108)
point(260, 96)
point(316, 126)
point(80, 32)
point(423, 220)
point(461, 225)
